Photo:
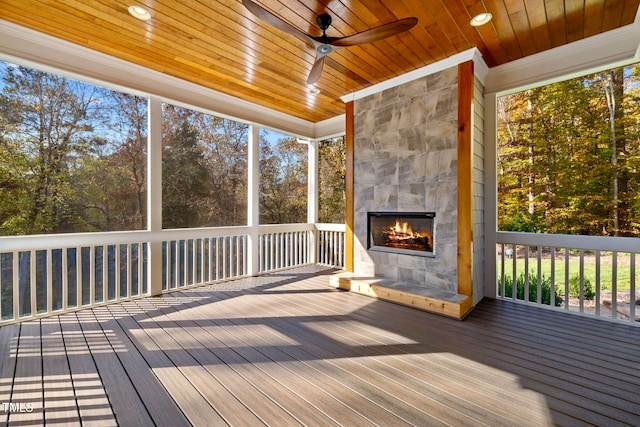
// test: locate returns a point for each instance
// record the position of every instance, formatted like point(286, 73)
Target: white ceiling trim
point(480, 70)
point(31, 48)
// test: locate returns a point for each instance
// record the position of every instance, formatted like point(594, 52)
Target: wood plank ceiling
point(220, 45)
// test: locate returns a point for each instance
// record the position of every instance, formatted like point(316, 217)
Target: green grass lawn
point(606, 268)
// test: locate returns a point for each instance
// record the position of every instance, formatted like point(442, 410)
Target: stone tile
point(412, 168)
point(442, 104)
point(411, 198)
point(413, 88)
point(385, 168)
point(412, 140)
point(386, 197)
point(441, 134)
point(443, 79)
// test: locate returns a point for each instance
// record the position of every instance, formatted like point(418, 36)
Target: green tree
point(225, 154)
point(283, 181)
point(564, 153)
point(331, 181)
point(184, 176)
point(48, 121)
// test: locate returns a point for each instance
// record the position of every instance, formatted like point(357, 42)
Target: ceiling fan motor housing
point(324, 21)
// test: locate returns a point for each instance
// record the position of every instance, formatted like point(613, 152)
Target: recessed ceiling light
point(313, 90)
point(481, 19)
point(140, 13)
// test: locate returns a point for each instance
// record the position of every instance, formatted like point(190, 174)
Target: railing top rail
point(605, 243)
point(282, 228)
point(55, 241)
point(330, 227)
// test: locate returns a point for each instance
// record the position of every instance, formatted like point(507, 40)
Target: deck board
point(91, 397)
point(287, 349)
point(128, 408)
point(178, 386)
point(27, 384)
point(8, 348)
point(160, 406)
point(59, 396)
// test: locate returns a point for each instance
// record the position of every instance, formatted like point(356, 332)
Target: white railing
point(284, 246)
point(201, 260)
point(41, 275)
point(44, 275)
point(330, 245)
point(587, 275)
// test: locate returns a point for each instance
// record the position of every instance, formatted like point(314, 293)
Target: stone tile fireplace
point(405, 160)
point(409, 142)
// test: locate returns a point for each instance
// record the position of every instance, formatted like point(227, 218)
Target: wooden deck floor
point(286, 349)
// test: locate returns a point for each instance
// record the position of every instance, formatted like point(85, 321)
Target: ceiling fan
point(324, 45)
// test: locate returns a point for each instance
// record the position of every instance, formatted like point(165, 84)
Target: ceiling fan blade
point(273, 20)
point(316, 70)
point(377, 33)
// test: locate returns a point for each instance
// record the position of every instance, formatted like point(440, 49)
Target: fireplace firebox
point(409, 233)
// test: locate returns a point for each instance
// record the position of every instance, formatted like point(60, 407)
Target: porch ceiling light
point(481, 19)
point(313, 90)
point(140, 13)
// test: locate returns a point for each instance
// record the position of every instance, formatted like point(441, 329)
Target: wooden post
point(465, 177)
point(349, 216)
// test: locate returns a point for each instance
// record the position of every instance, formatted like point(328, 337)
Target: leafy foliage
point(66, 155)
point(283, 181)
point(73, 158)
point(545, 287)
point(568, 155)
point(331, 177)
point(574, 288)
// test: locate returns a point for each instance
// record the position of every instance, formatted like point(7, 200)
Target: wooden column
point(465, 177)
point(349, 216)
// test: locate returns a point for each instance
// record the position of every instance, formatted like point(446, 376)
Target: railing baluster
point(526, 274)
point(581, 276)
point(80, 285)
point(632, 288)
point(118, 265)
point(614, 284)
point(539, 274)
point(129, 272)
point(566, 278)
point(211, 262)
point(514, 281)
point(225, 259)
point(65, 280)
point(238, 255)
point(552, 284)
point(598, 301)
point(32, 283)
point(16, 285)
point(105, 273)
point(501, 288)
point(49, 279)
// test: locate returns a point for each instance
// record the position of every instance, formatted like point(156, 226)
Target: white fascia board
point(330, 128)
point(614, 48)
point(31, 48)
point(480, 70)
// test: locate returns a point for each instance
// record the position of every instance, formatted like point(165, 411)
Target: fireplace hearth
point(410, 233)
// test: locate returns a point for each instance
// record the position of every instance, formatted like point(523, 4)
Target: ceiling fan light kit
point(324, 45)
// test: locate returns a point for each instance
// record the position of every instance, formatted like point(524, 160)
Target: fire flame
point(401, 231)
